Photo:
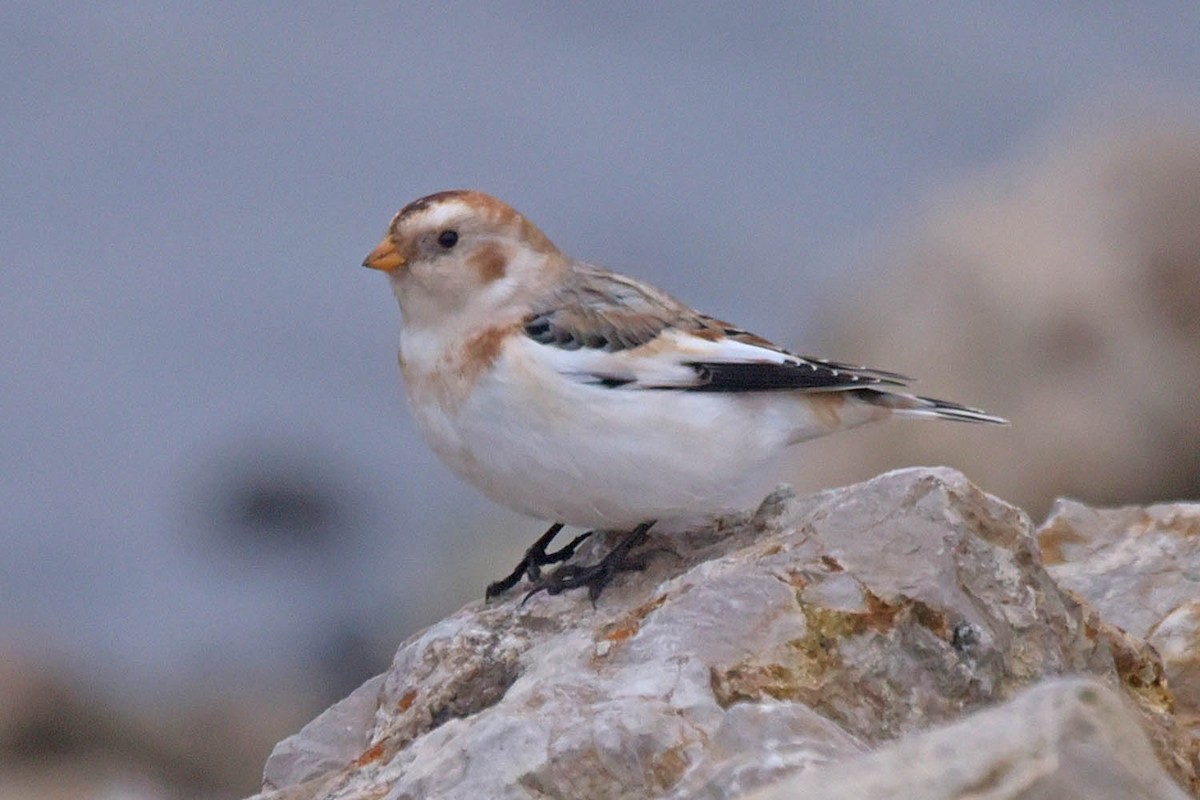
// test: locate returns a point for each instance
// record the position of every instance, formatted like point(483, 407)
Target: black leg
point(599, 575)
point(535, 558)
point(561, 554)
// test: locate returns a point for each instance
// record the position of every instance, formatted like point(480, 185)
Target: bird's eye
point(448, 239)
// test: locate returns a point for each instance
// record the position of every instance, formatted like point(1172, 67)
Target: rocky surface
point(804, 639)
point(1140, 569)
point(1064, 739)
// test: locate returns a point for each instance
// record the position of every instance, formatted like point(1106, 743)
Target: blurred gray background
point(218, 516)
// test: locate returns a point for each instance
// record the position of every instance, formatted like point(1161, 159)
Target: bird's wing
point(602, 328)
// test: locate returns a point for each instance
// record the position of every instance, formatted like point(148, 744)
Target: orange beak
point(385, 257)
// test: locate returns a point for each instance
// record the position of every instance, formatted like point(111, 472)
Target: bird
point(581, 396)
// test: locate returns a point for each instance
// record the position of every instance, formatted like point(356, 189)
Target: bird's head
point(459, 253)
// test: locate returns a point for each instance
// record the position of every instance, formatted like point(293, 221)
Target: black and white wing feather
point(620, 333)
point(604, 329)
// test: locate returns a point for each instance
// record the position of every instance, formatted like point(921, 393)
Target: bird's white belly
point(557, 449)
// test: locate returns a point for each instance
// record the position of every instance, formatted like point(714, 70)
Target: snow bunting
point(574, 394)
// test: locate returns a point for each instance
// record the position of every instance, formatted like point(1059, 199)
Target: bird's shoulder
point(596, 308)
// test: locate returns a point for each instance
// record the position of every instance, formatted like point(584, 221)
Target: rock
point(321, 746)
point(1065, 739)
point(1140, 569)
point(812, 632)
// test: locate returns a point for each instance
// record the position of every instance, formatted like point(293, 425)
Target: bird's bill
point(385, 256)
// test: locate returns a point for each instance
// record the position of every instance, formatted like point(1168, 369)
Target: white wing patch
point(679, 360)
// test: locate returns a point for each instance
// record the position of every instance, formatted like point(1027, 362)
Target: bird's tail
point(911, 405)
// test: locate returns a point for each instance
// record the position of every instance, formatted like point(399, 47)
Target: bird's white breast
point(558, 449)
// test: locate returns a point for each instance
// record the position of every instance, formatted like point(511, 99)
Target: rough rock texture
point(815, 631)
point(1140, 569)
point(1065, 739)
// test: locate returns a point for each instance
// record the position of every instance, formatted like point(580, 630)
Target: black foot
point(535, 558)
point(597, 576)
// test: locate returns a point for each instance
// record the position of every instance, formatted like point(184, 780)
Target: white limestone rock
point(1140, 568)
point(814, 631)
point(1065, 739)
